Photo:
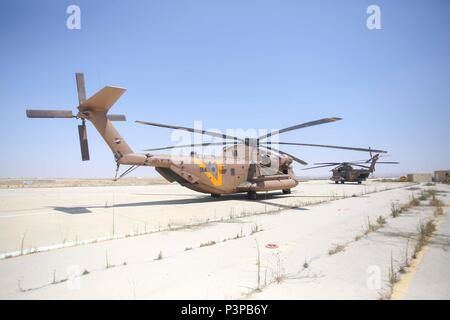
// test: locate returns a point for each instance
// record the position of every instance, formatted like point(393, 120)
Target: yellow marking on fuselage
point(215, 181)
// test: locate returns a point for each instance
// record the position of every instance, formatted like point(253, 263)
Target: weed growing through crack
point(435, 202)
point(406, 263)
point(438, 211)
point(280, 274)
point(396, 210)
point(258, 267)
point(413, 201)
point(371, 227)
point(305, 264)
point(425, 231)
point(393, 277)
point(381, 221)
point(255, 228)
point(22, 242)
point(336, 249)
point(207, 244)
point(107, 261)
point(54, 277)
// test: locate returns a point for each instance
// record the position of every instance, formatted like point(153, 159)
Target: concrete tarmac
point(32, 218)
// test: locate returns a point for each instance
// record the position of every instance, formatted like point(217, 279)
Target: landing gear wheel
point(286, 191)
point(252, 195)
point(342, 181)
point(336, 182)
point(359, 182)
point(215, 195)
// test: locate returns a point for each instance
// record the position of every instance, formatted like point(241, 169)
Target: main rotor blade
point(381, 156)
point(191, 145)
point(299, 126)
point(324, 146)
point(49, 114)
point(328, 165)
point(285, 153)
point(359, 165)
point(116, 117)
point(388, 162)
point(81, 89)
point(209, 133)
point(83, 142)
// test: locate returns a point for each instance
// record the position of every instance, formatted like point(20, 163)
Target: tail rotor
point(67, 114)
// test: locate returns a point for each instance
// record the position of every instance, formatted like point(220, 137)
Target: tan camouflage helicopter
point(344, 171)
point(245, 165)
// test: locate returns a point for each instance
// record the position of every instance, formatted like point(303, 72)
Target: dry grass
point(438, 211)
point(413, 201)
point(280, 273)
point(256, 228)
point(336, 249)
point(207, 244)
point(372, 227)
point(396, 210)
point(425, 229)
point(258, 266)
point(381, 221)
point(393, 276)
point(435, 202)
point(406, 263)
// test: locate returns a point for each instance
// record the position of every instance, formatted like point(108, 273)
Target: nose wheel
point(252, 195)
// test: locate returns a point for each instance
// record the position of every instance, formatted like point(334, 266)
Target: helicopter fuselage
point(215, 175)
point(346, 173)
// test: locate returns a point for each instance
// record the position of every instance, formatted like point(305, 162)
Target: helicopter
point(344, 171)
point(248, 165)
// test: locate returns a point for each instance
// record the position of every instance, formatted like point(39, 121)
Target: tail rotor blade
point(83, 142)
point(80, 87)
point(49, 114)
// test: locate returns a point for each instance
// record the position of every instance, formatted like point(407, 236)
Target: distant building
point(420, 177)
point(442, 176)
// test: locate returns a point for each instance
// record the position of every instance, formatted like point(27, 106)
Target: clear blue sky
point(231, 64)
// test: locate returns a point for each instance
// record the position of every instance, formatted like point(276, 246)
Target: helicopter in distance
point(345, 171)
point(246, 165)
